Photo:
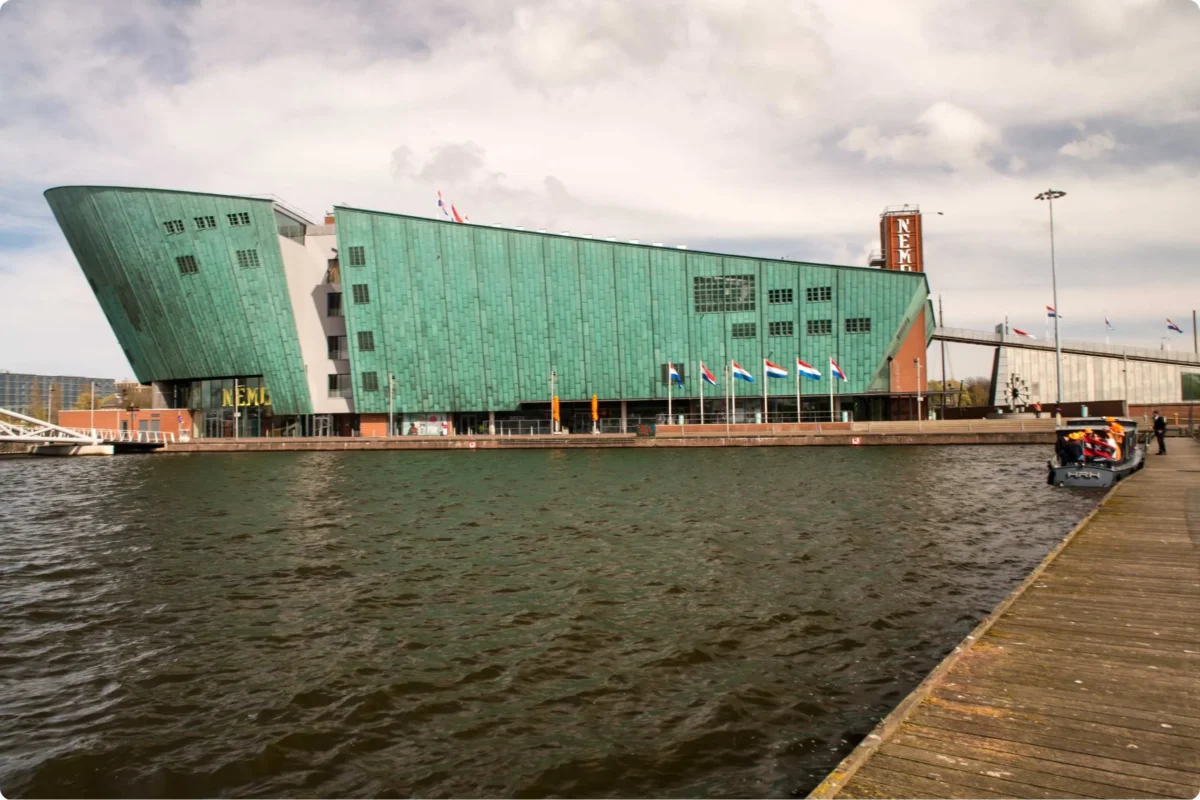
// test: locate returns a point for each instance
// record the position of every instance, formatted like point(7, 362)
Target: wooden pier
point(1085, 682)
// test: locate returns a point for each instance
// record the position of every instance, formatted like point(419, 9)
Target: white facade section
point(1089, 378)
point(306, 267)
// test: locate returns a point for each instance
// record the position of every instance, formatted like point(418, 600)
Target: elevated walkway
point(1074, 347)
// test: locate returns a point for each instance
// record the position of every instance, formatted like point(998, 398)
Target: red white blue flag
point(707, 375)
point(1171, 326)
point(835, 371)
point(442, 205)
point(742, 374)
point(807, 370)
point(773, 370)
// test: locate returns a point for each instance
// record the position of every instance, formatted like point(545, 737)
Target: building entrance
point(466, 424)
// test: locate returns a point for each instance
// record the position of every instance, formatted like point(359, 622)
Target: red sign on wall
point(900, 237)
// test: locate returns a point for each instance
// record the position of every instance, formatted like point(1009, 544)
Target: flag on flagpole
point(673, 375)
point(741, 374)
point(707, 375)
point(1108, 324)
point(454, 212)
point(835, 371)
point(807, 370)
point(1171, 326)
point(774, 370)
point(442, 205)
point(1051, 313)
point(1020, 332)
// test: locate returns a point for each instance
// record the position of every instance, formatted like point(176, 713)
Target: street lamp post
point(1050, 195)
point(917, 363)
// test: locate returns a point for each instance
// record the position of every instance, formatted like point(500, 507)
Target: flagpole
point(798, 391)
point(701, 392)
point(764, 390)
point(726, 398)
point(831, 388)
point(732, 389)
point(670, 419)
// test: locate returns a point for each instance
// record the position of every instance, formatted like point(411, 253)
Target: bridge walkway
point(1083, 683)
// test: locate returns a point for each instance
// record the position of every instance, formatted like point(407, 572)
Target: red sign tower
point(900, 238)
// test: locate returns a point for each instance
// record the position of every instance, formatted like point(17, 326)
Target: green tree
point(84, 401)
point(36, 405)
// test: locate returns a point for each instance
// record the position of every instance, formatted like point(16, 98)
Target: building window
point(779, 297)
point(818, 294)
point(333, 304)
point(337, 348)
point(187, 265)
point(239, 218)
point(370, 382)
point(358, 256)
point(820, 327)
point(783, 328)
point(744, 330)
point(362, 293)
point(174, 226)
point(366, 341)
point(205, 222)
point(858, 325)
point(1191, 385)
point(340, 385)
point(248, 259)
point(716, 293)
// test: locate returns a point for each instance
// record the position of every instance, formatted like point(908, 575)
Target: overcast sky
point(761, 128)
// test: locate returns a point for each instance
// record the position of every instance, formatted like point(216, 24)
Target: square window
point(362, 293)
point(820, 327)
point(248, 259)
point(366, 340)
point(858, 325)
point(238, 218)
point(187, 265)
point(174, 226)
point(779, 297)
point(744, 330)
point(370, 382)
point(358, 256)
point(205, 222)
point(718, 293)
point(818, 294)
point(339, 385)
point(781, 328)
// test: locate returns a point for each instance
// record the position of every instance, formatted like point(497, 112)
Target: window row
point(818, 294)
point(246, 259)
point(778, 297)
point(206, 222)
point(720, 293)
point(341, 384)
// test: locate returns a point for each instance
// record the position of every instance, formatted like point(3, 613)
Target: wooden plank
point(1082, 683)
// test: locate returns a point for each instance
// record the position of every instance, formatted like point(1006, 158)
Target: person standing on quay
point(1160, 432)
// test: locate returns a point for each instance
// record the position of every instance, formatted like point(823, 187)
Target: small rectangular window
point(174, 226)
point(820, 327)
point(783, 328)
point(247, 259)
point(339, 385)
point(362, 293)
point(818, 294)
point(370, 382)
point(337, 348)
point(358, 256)
point(333, 304)
point(187, 265)
point(779, 297)
point(205, 222)
point(366, 340)
point(858, 325)
point(238, 218)
point(744, 330)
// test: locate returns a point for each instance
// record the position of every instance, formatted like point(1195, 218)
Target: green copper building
point(239, 305)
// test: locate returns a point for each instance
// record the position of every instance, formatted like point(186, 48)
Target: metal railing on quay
point(750, 418)
point(142, 437)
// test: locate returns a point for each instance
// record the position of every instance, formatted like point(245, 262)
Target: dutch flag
point(741, 374)
point(706, 375)
point(807, 370)
point(1108, 324)
point(1020, 332)
point(673, 374)
point(1171, 326)
point(835, 371)
point(774, 370)
point(442, 205)
point(1051, 313)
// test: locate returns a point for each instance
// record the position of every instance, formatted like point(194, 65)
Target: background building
point(55, 392)
point(261, 321)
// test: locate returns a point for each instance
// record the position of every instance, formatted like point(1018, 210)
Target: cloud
point(765, 128)
point(1093, 146)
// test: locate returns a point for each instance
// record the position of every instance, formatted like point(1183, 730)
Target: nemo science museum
point(248, 319)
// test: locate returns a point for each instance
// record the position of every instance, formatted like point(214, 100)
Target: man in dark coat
point(1160, 432)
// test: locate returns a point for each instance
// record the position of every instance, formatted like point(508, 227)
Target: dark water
point(613, 623)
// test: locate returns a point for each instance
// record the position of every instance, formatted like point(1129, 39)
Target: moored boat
point(1095, 452)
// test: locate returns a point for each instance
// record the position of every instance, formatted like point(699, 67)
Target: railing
point(523, 427)
point(142, 437)
point(343, 391)
point(749, 418)
point(339, 355)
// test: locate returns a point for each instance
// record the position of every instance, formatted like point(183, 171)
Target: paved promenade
point(1084, 683)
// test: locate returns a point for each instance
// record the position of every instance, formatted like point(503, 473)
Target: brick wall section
point(110, 419)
